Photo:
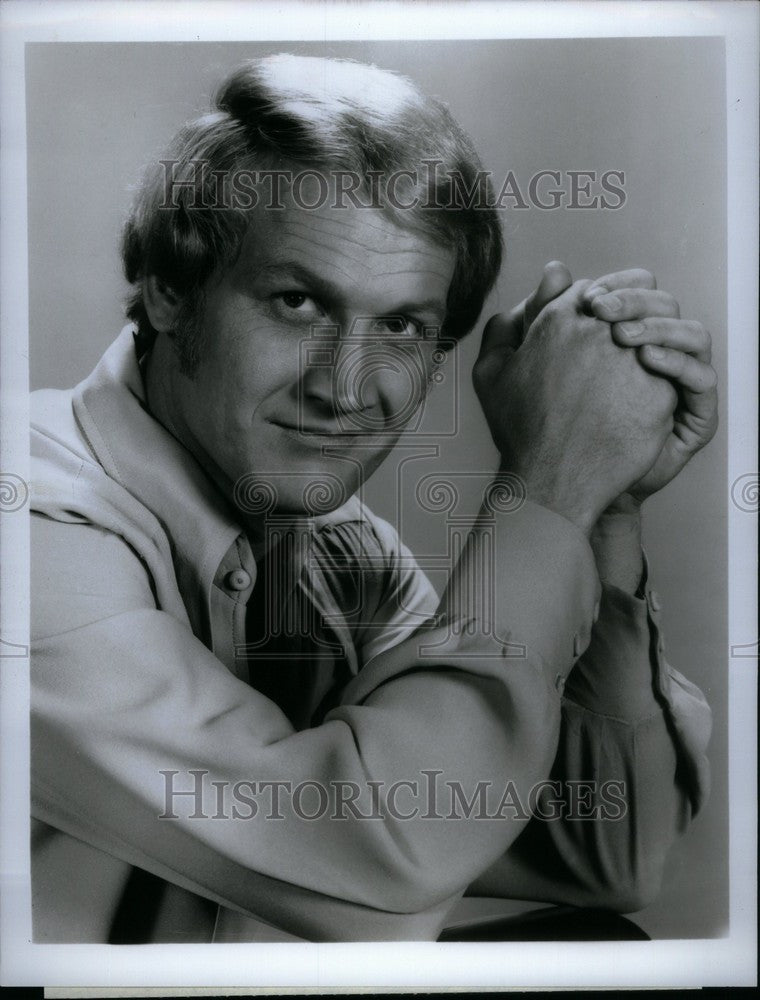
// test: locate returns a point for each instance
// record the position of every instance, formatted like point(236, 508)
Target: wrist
point(616, 543)
point(619, 520)
point(546, 489)
point(622, 506)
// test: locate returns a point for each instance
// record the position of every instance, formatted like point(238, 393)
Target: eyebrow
point(331, 292)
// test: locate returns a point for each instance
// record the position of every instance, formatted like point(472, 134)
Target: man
point(204, 770)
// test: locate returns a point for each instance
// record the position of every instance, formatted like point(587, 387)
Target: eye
point(294, 306)
point(397, 326)
point(294, 300)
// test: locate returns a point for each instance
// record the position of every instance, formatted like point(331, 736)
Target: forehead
point(360, 251)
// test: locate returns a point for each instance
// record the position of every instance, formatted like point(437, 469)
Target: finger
point(635, 277)
point(697, 380)
point(634, 303)
point(680, 334)
point(504, 332)
point(555, 280)
point(572, 297)
point(502, 336)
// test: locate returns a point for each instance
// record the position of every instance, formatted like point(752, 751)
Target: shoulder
point(52, 418)
point(96, 549)
point(60, 457)
point(82, 573)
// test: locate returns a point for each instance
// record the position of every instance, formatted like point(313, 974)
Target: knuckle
point(667, 404)
point(699, 335)
point(646, 278)
point(666, 392)
point(666, 304)
point(660, 394)
point(709, 378)
point(551, 314)
point(597, 329)
point(680, 362)
point(634, 298)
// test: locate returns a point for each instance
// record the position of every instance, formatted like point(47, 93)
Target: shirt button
point(654, 600)
point(559, 683)
point(238, 579)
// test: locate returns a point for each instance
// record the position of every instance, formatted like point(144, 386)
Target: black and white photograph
point(379, 494)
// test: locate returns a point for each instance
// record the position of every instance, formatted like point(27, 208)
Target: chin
point(296, 492)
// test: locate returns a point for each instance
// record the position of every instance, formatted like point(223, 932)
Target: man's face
point(269, 396)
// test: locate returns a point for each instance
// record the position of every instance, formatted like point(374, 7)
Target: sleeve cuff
point(619, 673)
point(546, 590)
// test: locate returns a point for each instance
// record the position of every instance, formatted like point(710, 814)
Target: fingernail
point(656, 352)
point(611, 303)
point(631, 329)
point(591, 293)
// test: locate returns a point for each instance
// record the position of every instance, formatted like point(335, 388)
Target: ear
point(161, 303)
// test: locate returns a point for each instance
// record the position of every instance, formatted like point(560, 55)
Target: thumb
point(502, 335)
point(554, 281)
point(504, 332)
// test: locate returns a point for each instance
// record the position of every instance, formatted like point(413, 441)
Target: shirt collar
point(145, 459)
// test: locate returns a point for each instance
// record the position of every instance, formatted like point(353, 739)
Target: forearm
point(616, 543)
point(527, 576)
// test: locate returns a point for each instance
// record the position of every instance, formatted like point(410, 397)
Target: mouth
point(317, 432)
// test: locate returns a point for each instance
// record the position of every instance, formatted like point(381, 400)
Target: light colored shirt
point(144, 678)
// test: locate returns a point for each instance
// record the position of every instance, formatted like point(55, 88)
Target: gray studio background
point(654, 108)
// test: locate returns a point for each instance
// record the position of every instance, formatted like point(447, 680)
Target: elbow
point(432, 885)
point(629, 894)
point(421, 870)
point(421, 896)
point(407, 887)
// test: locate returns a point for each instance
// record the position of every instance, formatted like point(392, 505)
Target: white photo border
point(406, 965)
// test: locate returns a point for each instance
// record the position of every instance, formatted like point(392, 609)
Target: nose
point(347, 376)
point(331, 384)
point(364, 382)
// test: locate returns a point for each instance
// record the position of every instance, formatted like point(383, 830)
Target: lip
point(316, 431)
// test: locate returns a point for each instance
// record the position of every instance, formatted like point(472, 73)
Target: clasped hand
point(597, 393)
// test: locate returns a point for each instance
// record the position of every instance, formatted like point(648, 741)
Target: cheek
point(249, 363)
point(407, 381)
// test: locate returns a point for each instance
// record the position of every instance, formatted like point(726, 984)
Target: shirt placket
point(228, 599)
